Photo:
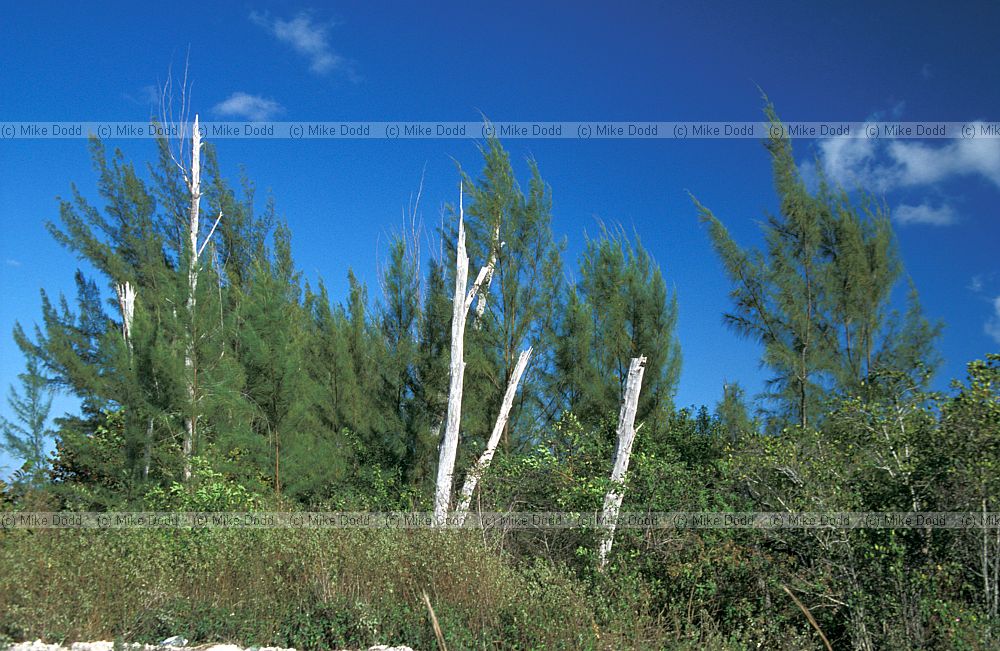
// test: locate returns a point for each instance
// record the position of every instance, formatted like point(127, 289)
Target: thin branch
point(201, 249)
point(812, 620)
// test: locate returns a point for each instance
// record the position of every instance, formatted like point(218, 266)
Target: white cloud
point(11, 262)
point(250, 107)
point(992, 326)
point(921, 163)
point(980, 282)
point(851, 162)
point(881, 166)
point(148, 95)
point(925, 213)
point(305, 36)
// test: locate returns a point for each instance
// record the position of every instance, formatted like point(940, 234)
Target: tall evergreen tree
point(130, 366)
point(330, 362)
point(398, 320)
point(815, 296)
point(732, 414)
point(576, 384)
point(26, 437)
point(515, 226)
point(281, 396)
point(431, 377)
point(631, 313)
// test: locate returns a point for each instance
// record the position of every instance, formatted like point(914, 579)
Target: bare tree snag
point(194, 254)
point(477, 471)
point(623, 451)
point(461, 302)
point(194, 223)
point(449, 445)
point(126, 302)
point(192, 178)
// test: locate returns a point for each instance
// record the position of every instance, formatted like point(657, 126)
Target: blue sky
point(563, 61)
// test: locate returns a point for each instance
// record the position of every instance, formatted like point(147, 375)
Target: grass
point(310, 589)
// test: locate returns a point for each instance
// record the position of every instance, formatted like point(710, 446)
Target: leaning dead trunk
point(462, 301)
point(476, 472)
point(623, 451)
point(449, 445)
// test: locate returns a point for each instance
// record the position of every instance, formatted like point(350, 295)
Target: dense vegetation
point(293, 401)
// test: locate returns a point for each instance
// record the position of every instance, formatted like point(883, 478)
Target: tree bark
point(623, 452)
point(461, 302)
point(126, 302)
point(449, 445)
point(476, 472)
point(194, 184)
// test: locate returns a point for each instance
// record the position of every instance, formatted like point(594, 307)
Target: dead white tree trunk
point(462, 301)
point(126, 302)
point(623, 451)
point(194, 223)
point(195, 251)
point(476, 472)
point(486, 277)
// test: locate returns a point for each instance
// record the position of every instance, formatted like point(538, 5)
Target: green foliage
point(207, 491)
point(815, 296)
point(515, 225)
point(88, 470)
point(26, 439)
point(733, 415)
point(623, 310)
point(303, 402)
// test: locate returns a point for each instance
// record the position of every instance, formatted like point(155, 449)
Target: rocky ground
point(38, 645)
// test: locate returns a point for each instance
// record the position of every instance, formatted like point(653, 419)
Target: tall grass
point(310, 589)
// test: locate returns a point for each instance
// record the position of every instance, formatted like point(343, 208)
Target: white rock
point(37, 645)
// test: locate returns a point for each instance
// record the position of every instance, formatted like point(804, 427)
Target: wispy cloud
point(306, 36)
point(926, 72)
point(148, 95)
point(992, 326)
point(925, 213)
point(11, 262)
point(984, 285)
point(250, 107)
point(982, 282)
point(884, 166)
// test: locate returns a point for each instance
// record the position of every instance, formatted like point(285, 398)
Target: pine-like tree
point(732, 414)
point(516, 227)
point(399, 316)
point(816, 295)
point(27, 436)
point(632, 314)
